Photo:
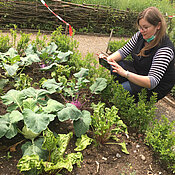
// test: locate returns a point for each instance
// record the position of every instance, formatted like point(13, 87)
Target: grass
point(164, 6)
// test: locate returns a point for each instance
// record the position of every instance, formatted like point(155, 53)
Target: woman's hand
point(101, 55)
point(117, 68)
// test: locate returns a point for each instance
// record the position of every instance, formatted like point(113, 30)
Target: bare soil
point(105, 160)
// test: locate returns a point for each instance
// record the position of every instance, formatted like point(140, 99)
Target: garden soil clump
point(107, 159)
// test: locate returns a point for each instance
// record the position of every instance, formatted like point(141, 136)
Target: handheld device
point(104, 63)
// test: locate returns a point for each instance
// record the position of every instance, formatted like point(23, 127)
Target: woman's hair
point(154, 17)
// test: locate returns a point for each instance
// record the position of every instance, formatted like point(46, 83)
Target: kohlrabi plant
point(36, 110)
point(47, 154)
point(12, 63)
point(70, 89)
point(26, 106)
point(106, 125)
point(50, 56)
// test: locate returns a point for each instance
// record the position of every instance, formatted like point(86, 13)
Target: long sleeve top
point(160, 62)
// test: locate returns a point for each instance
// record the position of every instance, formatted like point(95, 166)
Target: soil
point(105, 160)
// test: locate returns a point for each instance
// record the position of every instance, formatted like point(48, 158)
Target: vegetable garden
point(47, 85)
point(63, 114)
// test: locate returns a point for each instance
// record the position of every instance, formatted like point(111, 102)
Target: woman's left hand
point(117, 68)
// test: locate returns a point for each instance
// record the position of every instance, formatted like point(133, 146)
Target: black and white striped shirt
point(160, 62)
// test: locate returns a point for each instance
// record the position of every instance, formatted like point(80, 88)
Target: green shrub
point(136, 115)
point(4, 42)
point(161, 137)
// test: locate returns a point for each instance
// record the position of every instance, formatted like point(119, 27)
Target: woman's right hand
point(101, 55)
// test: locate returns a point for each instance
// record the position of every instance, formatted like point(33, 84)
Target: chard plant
point(23, 82)
point(47, 154)
point(106, 125)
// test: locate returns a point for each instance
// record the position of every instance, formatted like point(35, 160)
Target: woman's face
point(146, 29)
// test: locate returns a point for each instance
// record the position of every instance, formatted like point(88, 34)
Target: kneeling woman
point(153, 57)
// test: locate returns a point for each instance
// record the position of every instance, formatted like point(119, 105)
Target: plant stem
point(63, 98)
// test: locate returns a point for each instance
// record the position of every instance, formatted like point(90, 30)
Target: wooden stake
point(66, 31)
point(109, 41)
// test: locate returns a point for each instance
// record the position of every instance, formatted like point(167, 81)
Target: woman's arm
point(125, 50)
point(161, 60)
point(143, 81)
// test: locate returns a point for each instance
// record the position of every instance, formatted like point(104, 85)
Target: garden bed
point(106, 159)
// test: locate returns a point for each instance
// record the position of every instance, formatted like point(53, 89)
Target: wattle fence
point(86, 17)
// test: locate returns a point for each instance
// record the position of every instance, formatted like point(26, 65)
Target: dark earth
point(105, 160)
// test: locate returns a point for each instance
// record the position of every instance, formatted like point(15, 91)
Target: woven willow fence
point(34, 15)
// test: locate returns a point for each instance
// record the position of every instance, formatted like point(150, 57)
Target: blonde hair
point(154, 17)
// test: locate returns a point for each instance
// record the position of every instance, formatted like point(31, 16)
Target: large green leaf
point(37, 122)
point(69, 112)
point(12, 131)
point(63, 56)
point(82, 73)
point(35, 148)
point(30, 103)
point(30, 50)
point(3, 82)
point(99, 85)
point(11, 69)
point(8, 124)
point(52, 86)
point(81, 126)
point(53, 106)
point(11, 53)
point(13, 96)
point(15, 116)
point(35, 93)
point(29, 59)
point(51, 49)
point(4, 125)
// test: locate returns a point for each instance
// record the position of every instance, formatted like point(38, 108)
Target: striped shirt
point(160, 62)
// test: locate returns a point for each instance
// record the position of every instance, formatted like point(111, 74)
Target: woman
point(153, 57)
